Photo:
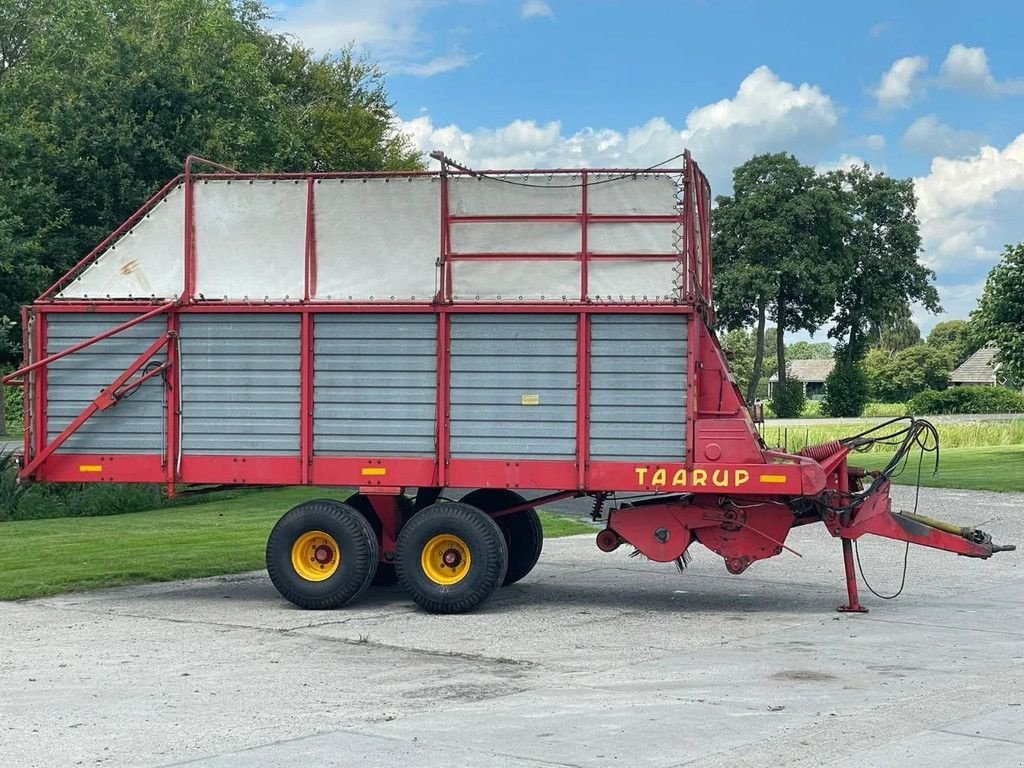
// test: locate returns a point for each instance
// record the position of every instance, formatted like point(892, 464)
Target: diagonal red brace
point(106, 399)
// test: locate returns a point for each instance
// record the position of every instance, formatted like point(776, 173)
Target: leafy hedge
point(966, 400)
point(789, 400)
point(48, 500)
point(12, 407)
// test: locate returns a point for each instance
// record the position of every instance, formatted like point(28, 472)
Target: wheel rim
point(445, 559)
point(315, 556)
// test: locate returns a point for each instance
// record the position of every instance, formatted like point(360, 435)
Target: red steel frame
point(725, 458)
point(173, 468)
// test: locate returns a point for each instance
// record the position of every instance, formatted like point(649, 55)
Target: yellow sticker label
point(90, 468)
point(374, 471)
point(772, 478)
point(530, 399)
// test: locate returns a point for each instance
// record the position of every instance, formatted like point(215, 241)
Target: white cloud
point(900, 84)
point(875, 142)
point(436, 65)
point(765, 115)
point(844, 163)
point(392, 31)
point(537, 9)
point(879, 29)
point(969, 207)
point(929, 136)
point(966, 69)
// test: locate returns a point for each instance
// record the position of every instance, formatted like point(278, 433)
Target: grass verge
point(994, 468)
point(958, 435)
point(47, 557)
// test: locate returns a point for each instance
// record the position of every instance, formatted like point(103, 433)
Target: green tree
point(882, 245)
point(1000, 314)
point(846, 389)
point(809, 350)
point(876, 367)
point(908, 372)
point(779, 252)
point(101, 101)
point(739, 348)
point(896, 331)
point(957, 338)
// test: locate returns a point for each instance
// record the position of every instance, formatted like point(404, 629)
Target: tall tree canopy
point(101, 101)
point(958, 338)
point(1000, 313)
point(779, 252)
point(884, 275)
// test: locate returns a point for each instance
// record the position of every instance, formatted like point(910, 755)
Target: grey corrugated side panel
point(135, 424)
point(240, 359)
point(495, 361)
point(375, 385)
point(638, 387)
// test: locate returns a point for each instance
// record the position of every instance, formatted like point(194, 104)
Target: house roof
point(808, 370)
point(979, 368)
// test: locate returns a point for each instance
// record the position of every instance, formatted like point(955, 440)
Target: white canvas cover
point(613, 195)
point(515, 195)
point(633, 238)
point(633, 281)
point(146, 262)
point(500, 280)
point(250, 239)
point(378, 238)
point(516, 237)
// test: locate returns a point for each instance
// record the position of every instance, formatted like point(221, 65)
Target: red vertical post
point(310, 252)
point(39, 417)
point(27, 382)
point(443, 394)
point(688, 247)
point(583, 400)
point(306, 396)
point(190, 235)
point(853, 599)
point(584, 256)
point(693, 343)
point(444, 293)
point(173, 379)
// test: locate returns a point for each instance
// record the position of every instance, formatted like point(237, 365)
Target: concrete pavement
point(593, 660)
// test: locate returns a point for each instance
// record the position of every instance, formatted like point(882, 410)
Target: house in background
point(980, 370)
point(811, 373)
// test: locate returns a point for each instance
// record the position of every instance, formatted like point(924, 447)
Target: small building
point(811, 373)
point(980, 370)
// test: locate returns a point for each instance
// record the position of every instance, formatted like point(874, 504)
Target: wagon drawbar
point(403, 333)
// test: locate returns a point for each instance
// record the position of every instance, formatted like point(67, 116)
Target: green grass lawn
point(46, 557)
point(996, 468)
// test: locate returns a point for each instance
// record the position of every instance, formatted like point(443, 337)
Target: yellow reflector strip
point(374, 471)
point(773, 478)
point(90, 468)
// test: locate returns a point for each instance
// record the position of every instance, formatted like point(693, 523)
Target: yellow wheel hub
point(315, 556)
point(446, 559)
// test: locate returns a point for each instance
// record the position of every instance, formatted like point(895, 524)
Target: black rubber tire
point(358, 554)
point(487, 548)
point(386, 575)
point(522, 530)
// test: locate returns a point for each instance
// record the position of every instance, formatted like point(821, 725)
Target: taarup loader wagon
point(403, 333)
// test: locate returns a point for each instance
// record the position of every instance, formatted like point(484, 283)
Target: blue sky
point(929, 90)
